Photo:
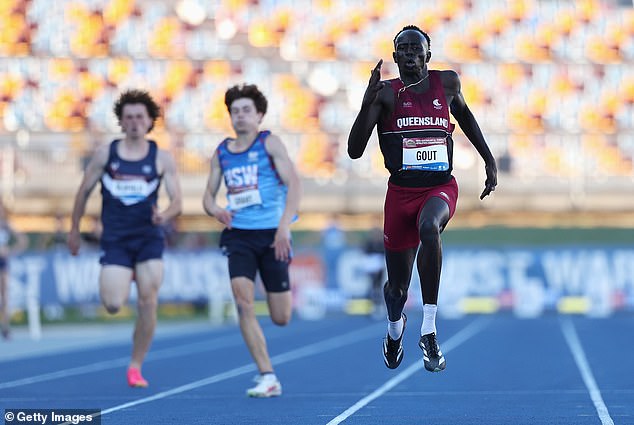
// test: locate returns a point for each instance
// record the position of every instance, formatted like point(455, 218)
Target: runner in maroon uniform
point(412, 117)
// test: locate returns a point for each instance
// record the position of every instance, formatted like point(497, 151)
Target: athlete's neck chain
point(405, 87)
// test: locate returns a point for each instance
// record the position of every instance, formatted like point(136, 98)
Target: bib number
point(129, 187)
point(244, 199)
point(428, 154)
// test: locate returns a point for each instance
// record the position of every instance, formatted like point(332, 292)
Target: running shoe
point(135, 379)
point(267, 386)
point(432, 356)
point(393, 348)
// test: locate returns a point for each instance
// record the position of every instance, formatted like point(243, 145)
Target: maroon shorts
point(403, 206)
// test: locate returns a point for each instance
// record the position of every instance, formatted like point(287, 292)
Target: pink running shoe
point(135, 379)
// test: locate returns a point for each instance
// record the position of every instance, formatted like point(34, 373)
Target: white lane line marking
point(306, 351)
point(74, 339)
point(582, 364)
point(166, 353)
point(453, 342)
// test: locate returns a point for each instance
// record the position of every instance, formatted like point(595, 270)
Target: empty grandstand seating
point(550, 82)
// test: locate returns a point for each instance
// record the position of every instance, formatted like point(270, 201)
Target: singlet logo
point(407, 104)
point(253, 156)
point(243, 176)
point(146, 169)
point(437, 104)
point(114, 165)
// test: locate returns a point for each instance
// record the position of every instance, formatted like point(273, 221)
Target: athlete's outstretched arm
point(209, 198)
point(471, 129)
point(374, 98)
point(173, 188)
point(93, 173)
point(286, 170)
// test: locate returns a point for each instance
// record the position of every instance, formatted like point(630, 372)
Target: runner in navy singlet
point(132, 241)
point(411, 114)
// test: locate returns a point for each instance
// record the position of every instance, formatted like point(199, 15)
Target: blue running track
point(566, 370)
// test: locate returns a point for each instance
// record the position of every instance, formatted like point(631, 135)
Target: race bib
point(244, 199)
point(425, 153)
point(124, 188)
point(129, 191)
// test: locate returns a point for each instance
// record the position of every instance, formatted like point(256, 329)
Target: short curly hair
point(250, 91)
point(138, 96)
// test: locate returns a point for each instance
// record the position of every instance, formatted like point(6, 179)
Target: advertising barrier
point(595, 281)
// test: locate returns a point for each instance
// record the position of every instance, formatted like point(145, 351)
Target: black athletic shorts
point(250, 251)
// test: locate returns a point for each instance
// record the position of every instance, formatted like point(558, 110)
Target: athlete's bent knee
point(429, 230)
point(393, 292)
point(281, 319)
point(245, 308)
point(147, 302)
point(112, 308)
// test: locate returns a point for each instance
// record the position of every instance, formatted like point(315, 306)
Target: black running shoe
point(393, 349)
point(432, 356)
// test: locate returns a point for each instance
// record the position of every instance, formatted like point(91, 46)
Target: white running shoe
point(267, 386)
